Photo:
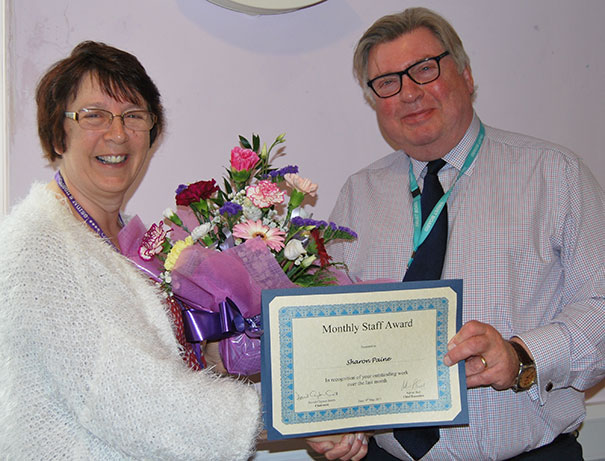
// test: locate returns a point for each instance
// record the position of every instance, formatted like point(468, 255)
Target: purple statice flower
point(346, 230)
point(230, 208)
point(180, 189)
point(283, 171)
point(334, 231)
point(304, 222)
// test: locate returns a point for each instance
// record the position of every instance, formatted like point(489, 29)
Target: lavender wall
point(539, 66)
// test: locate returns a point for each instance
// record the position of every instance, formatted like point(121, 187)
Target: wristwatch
point(526, 377)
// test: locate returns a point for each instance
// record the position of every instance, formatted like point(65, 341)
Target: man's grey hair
point(393, 26)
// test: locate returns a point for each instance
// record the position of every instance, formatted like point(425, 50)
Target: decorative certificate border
point(287, 314)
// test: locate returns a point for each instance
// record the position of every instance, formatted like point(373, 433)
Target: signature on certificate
point(316, 395)
point(415, 384)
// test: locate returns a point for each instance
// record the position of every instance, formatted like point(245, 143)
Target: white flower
point(172, 216)
point(308, 260)
point(300, 211)
point(201, 231)
point(267, 221)
point(294, 248)
point(252, 213)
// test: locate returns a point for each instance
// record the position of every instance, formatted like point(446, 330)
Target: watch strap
point(525, 363)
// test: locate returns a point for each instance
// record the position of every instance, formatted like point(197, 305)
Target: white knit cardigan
point(89, 364)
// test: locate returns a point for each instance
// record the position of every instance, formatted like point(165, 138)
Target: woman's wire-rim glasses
point(101, 119)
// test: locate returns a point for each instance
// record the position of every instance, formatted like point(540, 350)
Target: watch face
point(527, 378)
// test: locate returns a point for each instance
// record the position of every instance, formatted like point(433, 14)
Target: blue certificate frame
point(361, 357)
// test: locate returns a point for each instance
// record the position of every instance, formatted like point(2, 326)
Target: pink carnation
point(301, 184)
point(243, 159)
point(265, 194)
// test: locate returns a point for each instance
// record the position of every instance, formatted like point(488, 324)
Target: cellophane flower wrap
point(224, 244)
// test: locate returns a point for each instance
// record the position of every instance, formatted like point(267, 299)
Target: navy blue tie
point(427, 265)
point(428, 261)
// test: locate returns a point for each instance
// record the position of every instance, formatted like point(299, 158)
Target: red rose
point(195, 192)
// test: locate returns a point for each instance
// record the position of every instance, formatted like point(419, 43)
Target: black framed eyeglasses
point(100, 119)
point(422, 72)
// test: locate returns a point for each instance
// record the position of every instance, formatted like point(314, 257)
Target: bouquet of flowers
point(223, 245)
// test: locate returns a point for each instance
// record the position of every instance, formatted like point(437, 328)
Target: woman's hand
point(341, 446)
point(213, 357)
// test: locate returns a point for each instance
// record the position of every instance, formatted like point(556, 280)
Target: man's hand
point(352, 447)
point(475, 341)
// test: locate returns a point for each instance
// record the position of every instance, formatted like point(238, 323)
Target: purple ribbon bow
point(202, 325)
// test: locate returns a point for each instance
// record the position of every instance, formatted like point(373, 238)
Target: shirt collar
point(457, 155)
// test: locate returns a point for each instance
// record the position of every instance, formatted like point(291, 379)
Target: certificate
point(361, 357)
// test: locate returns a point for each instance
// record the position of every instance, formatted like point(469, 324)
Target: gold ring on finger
point(483, 361)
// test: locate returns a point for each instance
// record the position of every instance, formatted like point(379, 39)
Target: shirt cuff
point(550, 348)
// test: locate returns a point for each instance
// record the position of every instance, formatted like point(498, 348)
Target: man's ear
point(468, 78)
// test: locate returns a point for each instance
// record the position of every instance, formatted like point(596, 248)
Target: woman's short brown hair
point(118, 73)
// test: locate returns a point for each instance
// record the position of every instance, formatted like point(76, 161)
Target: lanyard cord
point(89, 220)
point(421, 231)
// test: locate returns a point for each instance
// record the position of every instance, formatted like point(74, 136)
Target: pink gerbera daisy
point(273, 238)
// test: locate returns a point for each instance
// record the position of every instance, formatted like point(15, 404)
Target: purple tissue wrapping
point(203, 279)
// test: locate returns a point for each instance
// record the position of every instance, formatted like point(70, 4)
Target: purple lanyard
point(82, 212)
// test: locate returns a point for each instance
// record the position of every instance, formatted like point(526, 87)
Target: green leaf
point(244, 142)
point(240, 176)
point(219, 200)
point(255, 143)
point(200, 207)
point(228, 188)
point(296, 198)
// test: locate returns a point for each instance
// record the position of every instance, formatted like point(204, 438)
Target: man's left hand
point(490, 359)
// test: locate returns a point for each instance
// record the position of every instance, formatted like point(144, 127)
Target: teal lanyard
point(421, 232)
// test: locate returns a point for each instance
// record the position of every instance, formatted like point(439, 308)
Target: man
point(525, 222)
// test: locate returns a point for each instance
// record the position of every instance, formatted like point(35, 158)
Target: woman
point(89, 364)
